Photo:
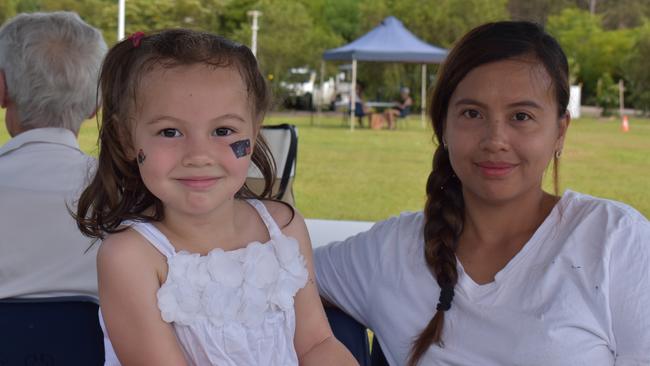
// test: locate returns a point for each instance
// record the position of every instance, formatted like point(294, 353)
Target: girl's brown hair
point(445, 208)
point(117, 193)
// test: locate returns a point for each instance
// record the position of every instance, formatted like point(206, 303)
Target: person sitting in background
point(49, 66)
point(402, 109)
point(360, 108)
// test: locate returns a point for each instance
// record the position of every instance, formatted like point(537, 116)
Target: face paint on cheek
point(241, 148)
point(141, 157)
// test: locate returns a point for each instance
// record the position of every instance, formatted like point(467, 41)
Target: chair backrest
point(377, 357)
point(50, 331)
point(351, 333)
point(283, 143)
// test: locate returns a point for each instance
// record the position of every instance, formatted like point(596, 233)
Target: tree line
point(605, 40)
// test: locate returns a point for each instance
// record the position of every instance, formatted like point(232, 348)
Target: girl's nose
point(494, 137)
point(198, 153)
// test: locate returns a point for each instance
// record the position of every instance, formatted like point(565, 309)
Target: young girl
point(193, 270)
point(494, 270)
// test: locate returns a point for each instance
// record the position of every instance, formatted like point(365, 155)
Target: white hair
point(51, 63)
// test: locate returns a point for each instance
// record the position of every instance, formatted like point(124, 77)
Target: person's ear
point(563, 125)
point(4, 93)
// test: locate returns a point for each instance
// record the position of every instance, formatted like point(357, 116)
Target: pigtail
point(262, 158)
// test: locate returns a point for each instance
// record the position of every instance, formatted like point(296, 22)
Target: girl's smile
point(199, 183)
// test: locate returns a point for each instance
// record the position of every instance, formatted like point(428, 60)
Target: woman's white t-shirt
point(578, 293)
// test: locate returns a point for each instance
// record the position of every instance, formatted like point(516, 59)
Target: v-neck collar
point(475, 291)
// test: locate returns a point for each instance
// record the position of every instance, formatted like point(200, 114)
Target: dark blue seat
point(377, 357)
point(351, 333)
point(354, 336)
point(50, 331)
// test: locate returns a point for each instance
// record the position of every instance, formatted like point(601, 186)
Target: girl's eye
point(222, 131)
point(170, 132)
point(521, 116)
point(471, 113)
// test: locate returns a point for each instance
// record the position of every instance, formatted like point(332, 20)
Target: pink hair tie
point(136, 38)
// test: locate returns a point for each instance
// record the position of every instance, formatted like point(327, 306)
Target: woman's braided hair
point(445, 208)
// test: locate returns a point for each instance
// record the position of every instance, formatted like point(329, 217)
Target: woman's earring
point(558, 153)
point(444, 144)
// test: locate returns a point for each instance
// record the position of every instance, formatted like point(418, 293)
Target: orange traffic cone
point(625, 125)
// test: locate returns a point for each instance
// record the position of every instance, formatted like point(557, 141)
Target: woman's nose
point(494, 137)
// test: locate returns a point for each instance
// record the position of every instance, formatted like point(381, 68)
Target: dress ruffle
point(236, 286)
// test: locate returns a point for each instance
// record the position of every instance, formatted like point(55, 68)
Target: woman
point(495, 271)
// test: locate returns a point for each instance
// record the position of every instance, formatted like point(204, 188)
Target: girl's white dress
point(230, 307)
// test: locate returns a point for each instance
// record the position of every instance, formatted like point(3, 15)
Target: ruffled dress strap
point(271, 225)
point(153, 236)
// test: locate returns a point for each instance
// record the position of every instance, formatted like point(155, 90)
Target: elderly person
point(49, 65)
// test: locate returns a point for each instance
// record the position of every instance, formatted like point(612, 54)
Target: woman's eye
point(170, 132)
point(521, 116)
point(223, 131)
point(471, 113)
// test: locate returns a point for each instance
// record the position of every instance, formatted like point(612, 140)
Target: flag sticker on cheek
point(141, 157)
point(241, 148)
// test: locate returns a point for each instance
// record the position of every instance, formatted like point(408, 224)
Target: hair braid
point(443, 212)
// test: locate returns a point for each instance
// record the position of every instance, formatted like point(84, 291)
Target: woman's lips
point(496, 169)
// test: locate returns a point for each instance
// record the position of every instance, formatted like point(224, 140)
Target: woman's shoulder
point(590, 220)
point(585, 206)
point(401, 233)
point(406, 223)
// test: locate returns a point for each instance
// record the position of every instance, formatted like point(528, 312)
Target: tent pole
point(353, 93)
point(423, 94)
point(319, 106)
point(120, 19)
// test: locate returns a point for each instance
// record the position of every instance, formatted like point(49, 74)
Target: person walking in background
point(49, 65)
point(494, 270)
point(401, 110)
point(194, 268)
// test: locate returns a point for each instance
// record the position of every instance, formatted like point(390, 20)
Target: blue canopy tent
point(390, 41)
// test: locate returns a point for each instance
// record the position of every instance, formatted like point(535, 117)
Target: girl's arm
point(128, 274)
point(315, 344)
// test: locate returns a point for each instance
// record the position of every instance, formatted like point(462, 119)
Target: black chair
point(354, 336)
point(377, 357)
point(283, 142)
point(50, 332)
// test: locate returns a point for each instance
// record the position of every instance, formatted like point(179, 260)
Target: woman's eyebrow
point(525, 103)
point(522, 103)
point(470, 101)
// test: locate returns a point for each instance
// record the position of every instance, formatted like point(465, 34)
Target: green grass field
point(370, 175)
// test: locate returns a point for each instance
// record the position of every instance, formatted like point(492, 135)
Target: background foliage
point(606, 40)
